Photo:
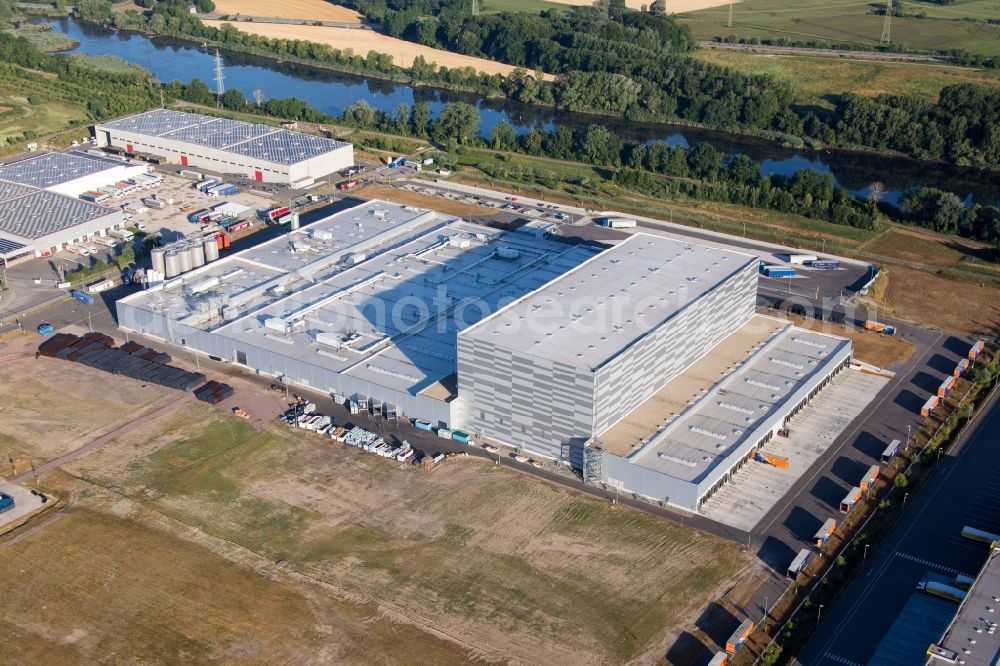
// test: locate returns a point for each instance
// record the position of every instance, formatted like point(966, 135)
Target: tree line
point(618, 62)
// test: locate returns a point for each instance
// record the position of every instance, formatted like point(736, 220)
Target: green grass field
point(108, 63)
point(854, 22)
point(815, 78)
point(533, 6)
point(55, 110)
point(46, 40)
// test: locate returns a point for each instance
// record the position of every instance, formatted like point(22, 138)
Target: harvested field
point(91, 587)
point(363, 41)
point(503, 563)
point(673, 6)
point(946, 301)
point(316, 10)
point(49, 407)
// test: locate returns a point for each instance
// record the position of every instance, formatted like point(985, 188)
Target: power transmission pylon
point(887, 24)
point(220, 76)
point(729, 23)
point(475, 7)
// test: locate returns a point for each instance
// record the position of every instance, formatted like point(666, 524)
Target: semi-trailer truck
point(940, 589)
point(825, 532)
point(879, 327)
point(850, 500)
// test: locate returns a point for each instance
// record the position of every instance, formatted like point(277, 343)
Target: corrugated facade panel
point(643, 368)
point(296, 372)
point(522, 400)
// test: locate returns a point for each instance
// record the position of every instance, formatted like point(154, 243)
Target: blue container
point(777, 272)
point(86, 299)
point(6, 502)
point(423, 425)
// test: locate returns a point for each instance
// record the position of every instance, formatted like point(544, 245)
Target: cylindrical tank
point(156, 254)
point(171, 264)
point(294, 221)
point(211, 249)
point(197, 253)
point(185, 259)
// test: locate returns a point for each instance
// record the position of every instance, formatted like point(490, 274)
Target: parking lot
point(759, 486)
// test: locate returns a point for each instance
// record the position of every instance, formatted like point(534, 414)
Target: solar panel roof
point(8, 246)
point(219, 133)
point(9, 190)
point(285, 147)
point(157, 122)
point(42, 213)
point(52, 169)
point(252, 140)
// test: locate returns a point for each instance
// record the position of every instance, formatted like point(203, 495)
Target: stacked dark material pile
point(131, 359)
point(214, 392)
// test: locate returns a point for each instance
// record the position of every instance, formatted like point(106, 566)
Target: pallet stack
point(214, 392)
point(132, 360)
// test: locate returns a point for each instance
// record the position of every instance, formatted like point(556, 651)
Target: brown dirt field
point(873, 348)
point(45, 412)
point(90, 587)
point(316, 10)
point(491, 559)
point(673, 6)
point(363, 41)
point(945, 301)
point(399, 195)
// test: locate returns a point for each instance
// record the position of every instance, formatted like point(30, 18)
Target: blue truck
point(84, 298)
point(778, 272)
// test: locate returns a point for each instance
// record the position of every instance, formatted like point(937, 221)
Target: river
point(331, 92)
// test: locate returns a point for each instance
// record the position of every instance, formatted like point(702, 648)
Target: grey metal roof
point(590, 314)
point(52, 169)
point(973, 635)
point(219, 133)
point(709, 430)
point(285, 147)
point(42, 213)
point(252, 140)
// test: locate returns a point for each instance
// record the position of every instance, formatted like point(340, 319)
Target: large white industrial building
point(643, 364)
point(40, 213)
point(258, 152)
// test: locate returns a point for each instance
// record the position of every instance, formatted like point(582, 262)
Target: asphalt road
point(965, 490)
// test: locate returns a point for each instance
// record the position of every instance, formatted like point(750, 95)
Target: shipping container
point(444, 433)
point(850, 500)
point(825, 532)
point(891, 451)
point(275, 213)
point(977, 349)
point(460, 436)
point(869, 478)
point(801, 258)
point(946, 387)
point(799, 563)
point(187, 173)
point(930, 406)
point(84, 298)
point(616, 222)
point(961, 368)
point(739, 636)
point(420, 424)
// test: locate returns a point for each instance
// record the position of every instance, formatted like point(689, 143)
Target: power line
point(887, 24)
point(729, 24)
point(220, 76)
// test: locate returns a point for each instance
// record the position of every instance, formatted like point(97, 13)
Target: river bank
point(171, 58)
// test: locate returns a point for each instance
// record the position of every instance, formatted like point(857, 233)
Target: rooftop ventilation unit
point(677, 459)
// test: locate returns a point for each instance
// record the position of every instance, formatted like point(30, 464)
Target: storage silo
point(185, 259)
point(294, 222)
point(197, 252)
point(172, 264)
point(211, 249)
point(156, 254)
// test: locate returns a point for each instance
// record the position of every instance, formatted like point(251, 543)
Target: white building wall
point(75, 188)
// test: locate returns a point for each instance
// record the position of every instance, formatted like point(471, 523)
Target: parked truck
point(961, 368)
point(946, 386)
point(977, 349)
point(81, 296)
point(124, 235)
point(825, 532)
point(850, 500)
point(778, 272)
point(891, 451)
point(799, 563)
point(930, 406)
point(879, 327)
point(739, 636)
point(979, 535)
point(949, 592)
point(617, 222)
point(869, 479)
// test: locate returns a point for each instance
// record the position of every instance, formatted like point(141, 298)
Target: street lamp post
point(905, 495)
point(819, 614)
point(865, 555)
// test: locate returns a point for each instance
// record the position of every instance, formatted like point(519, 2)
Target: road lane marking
point(932, 565)
point(841, 660)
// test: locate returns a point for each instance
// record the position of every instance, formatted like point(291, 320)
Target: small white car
point(92, 249)
point(141, 226)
